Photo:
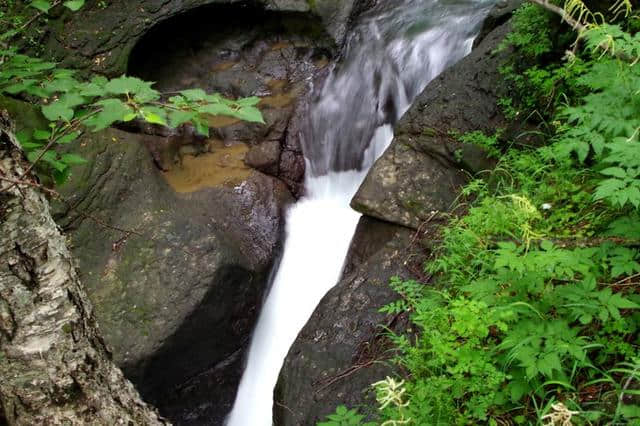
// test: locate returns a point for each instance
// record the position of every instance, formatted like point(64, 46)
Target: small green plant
point(489, 143)
point(345, 417)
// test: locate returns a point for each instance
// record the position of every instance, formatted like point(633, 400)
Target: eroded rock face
point(342, 347)
point(102, 36)
point(176, 278)
point(425, 166)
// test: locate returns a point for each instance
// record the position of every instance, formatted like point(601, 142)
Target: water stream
point(396, 48)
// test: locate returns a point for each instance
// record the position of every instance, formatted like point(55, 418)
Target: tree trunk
point(54, 367)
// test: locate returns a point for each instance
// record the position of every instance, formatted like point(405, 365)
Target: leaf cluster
point(73, 104)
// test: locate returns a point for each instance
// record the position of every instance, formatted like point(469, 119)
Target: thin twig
point(348, 372)
point(29, 183)
point(560, 11)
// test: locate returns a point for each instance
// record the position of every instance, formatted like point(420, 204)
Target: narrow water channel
point(394, 51)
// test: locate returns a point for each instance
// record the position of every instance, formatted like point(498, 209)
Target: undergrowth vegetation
point(533, 316)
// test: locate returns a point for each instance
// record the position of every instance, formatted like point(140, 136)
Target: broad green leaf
point(61, 176)
point(63, 73)
point(41, 5)
point(154, 117)
point(177, 118)
point(217, 109)
point(74, 5)
point(62, 85)
point(250, 114)
point(615, 171)
point(57, 111)
point(252, 101)
point(41, 135)
point(139, 89)
point(68, 138)
point(111, 110)
point(16, 88)
point(194, 94)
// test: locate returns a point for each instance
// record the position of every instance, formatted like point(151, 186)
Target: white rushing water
point(394, 51)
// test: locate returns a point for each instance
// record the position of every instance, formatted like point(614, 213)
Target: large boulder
point(424, 167)
point(175, 263)
point(101, 37)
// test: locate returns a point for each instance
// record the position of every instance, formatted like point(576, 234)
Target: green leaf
point(41, 135)
point(68, 138)
point(30, 146)
point(61, 177)
point(74, 5)
point(217, 109)
point(62, 85)
point(72, 159)
point(111, 110)
point(57, 111)
point(201, 127)
point(615, 171)
point(16, 88)
point(139, 89)
point(252, 101)
point(41, 5)
point(194, 94)
point(154, 115)
point(177, 118)
point(250, 114)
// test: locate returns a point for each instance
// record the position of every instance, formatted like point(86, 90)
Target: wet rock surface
point(102, 36)
point(425, 166)
point(342, 348)
point(176, 278)
point(273, 55)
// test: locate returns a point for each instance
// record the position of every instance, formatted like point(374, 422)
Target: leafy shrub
point(535, 313)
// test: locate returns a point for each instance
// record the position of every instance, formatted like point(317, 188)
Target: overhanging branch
point(560, 11)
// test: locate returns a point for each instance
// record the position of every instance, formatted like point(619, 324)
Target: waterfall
point(394, 51)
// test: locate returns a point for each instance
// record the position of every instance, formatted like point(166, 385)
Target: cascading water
point(395, 50)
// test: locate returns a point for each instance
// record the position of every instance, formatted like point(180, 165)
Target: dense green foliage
point(534, 315)
point(72, 103)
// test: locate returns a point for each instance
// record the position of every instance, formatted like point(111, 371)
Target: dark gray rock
point(101, 38)
point(499, 14)
point(264, 157)
point(176, 279)
point(423, 169)
point(342, 349)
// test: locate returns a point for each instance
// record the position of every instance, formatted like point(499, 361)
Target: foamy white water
point(394, 52)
